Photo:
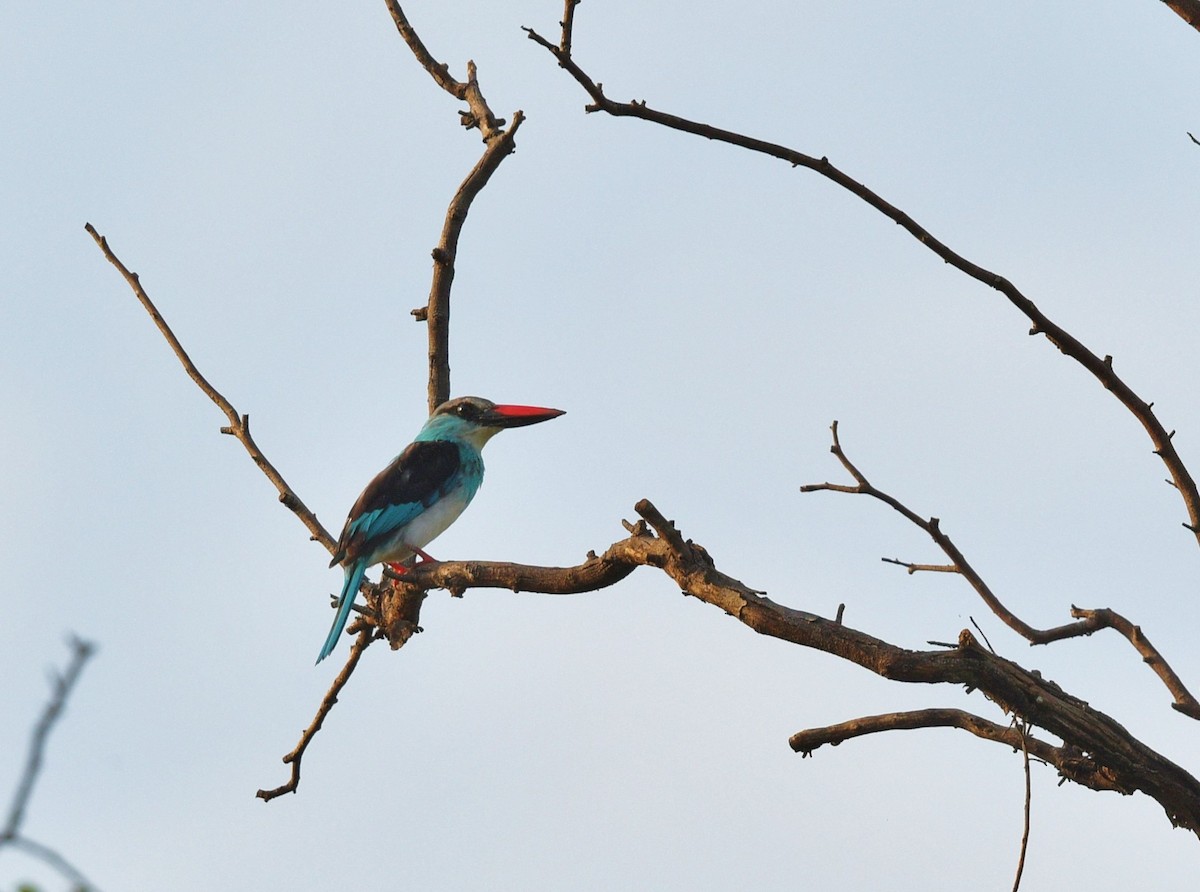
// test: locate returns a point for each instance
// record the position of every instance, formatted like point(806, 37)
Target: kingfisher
point(426, 487)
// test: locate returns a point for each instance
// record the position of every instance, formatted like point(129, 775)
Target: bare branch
point(1101, 368)
point(807, 741)
point(366, 634)
point(500, 144)
point(568, 26)
point(436, 313)
point(63, 685)
point(1105, 618)
point(239, 425)
point(394, 611)
point(1114, 759)
point(439, 71)
point(1068, 760)
point(920, 568)
point(1089, 621)
point(1023, 730)
point(1188, 10)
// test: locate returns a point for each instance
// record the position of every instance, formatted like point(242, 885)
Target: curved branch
point(1069, 761)
point(1097, 751)
point(1101, 368)
point(239, 425)
point(394, 612)
point(1089, 621)
point(439, 71)
point(1126, 762)
point(807, 741)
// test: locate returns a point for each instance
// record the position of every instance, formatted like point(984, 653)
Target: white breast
point(436, 518)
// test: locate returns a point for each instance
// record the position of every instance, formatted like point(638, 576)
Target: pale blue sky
point(277, 174)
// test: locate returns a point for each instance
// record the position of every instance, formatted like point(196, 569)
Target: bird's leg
point(423, 556)
point(403, 568)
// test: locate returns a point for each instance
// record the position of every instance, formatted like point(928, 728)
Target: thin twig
point(366, 635)
point(1087, 621)
point(239, 425)
point(1023, 728)
point(1068, 344)
point(63, 685)
point(921, 568)
point(982, 634)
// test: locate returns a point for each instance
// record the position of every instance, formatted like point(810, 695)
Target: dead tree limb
point(1097, 751)
point(500, 144)
point(1110, 758)
point(1088, 621)
point(1068, 344)
point(239, 425)
point(1188, 10)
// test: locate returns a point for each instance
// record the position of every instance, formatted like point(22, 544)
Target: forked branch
point(1088, 621)
point(1096, 751)
point(1100, 367)
point(500, 143)
point(655, 542)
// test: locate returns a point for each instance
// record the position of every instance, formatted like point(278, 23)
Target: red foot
point(424, 559)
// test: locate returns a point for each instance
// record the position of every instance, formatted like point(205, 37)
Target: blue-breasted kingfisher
point(426, 487)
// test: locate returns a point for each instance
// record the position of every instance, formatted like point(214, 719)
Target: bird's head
point(477, 420)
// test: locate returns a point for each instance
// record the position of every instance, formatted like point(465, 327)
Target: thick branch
point(1188, 10)
point(1101, 368)
point(1097, 751)
point(239, 425)
point(1127, 763)
point(1089, 621)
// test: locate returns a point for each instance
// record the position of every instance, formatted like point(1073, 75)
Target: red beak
point(519, 416)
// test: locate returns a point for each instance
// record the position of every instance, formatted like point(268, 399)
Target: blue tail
point(354, 575)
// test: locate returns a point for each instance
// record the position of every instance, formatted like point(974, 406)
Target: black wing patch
point(416, 478)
